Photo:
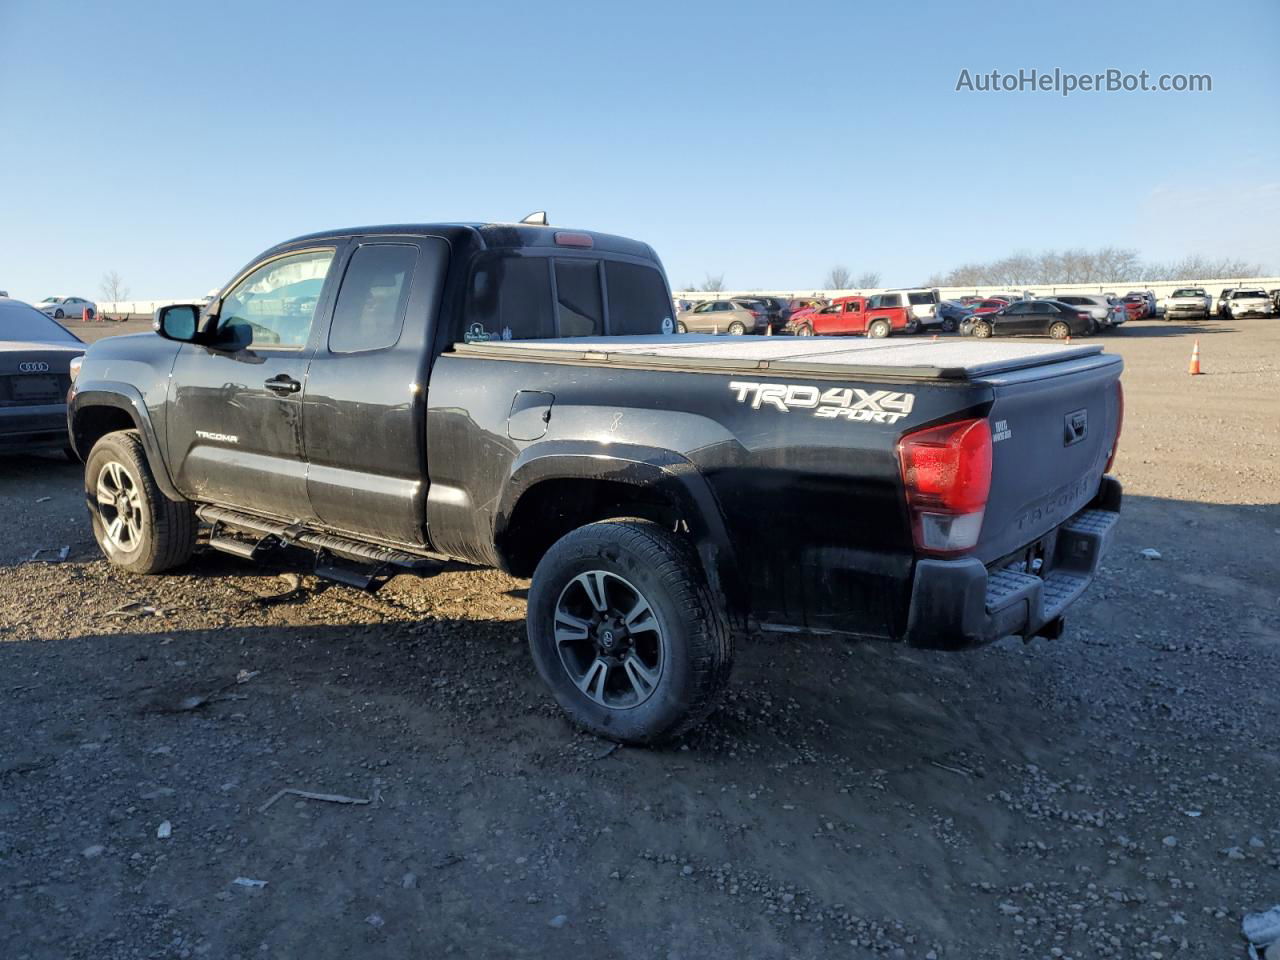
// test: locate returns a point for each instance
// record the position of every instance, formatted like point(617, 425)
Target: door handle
point(283, 383)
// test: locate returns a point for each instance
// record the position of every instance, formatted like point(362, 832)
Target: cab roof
point(491, 236)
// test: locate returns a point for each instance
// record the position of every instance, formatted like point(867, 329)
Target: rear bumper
point(961, 603)
point(33, 427)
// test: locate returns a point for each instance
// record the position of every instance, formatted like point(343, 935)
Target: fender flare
point(677, 479)
point(126, 397)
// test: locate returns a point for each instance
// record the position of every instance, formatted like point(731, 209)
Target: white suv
point(924, 305)
point(1244, 302)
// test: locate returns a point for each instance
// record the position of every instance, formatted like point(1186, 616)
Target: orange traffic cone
point(1194, 369)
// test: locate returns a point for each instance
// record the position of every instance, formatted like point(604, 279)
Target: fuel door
point(530, 414)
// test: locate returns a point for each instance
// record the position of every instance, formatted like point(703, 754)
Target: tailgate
point(1053, 429)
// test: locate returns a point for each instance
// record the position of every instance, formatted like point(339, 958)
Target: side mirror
point(178, 321)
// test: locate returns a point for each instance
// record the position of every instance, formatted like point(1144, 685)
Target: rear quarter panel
point(813, 507)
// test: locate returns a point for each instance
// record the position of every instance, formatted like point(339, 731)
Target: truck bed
point(911, 358)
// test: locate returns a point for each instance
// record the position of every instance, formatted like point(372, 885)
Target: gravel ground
point(1111, 794)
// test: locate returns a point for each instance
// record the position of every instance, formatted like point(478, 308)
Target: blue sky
point(172, 142)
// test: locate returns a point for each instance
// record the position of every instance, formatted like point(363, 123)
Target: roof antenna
point(538, 218)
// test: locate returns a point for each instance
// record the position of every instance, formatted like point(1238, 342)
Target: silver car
point(61, 307)
point(722, 316)
point(1106, 311)
point(1188, 302)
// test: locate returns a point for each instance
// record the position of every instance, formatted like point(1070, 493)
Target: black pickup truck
point(513, 395)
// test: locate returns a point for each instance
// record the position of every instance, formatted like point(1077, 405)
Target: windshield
point(19, 321)
point(1247, 294)
point(1188, 292)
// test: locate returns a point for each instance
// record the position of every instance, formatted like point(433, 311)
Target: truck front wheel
point(623, 629)
point(136, 525)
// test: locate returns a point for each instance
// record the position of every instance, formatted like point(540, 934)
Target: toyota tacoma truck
point(513, 395)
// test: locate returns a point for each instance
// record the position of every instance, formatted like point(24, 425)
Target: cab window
point(510, 299)
point(273, 307)
point(637, 299)
point(579, 304)
point(369, 314)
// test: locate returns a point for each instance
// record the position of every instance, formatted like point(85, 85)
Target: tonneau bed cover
point(948, 359)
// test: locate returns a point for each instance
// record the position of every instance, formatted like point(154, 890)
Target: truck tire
point(137, 527)
point(804, 330)
point(981, 329)
point(878, 330)
point(737, 328)
point(1059, 330)
point(623, 630)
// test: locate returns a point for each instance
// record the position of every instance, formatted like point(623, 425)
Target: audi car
point(36, 360)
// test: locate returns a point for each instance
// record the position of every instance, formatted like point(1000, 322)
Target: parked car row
point(906, 310)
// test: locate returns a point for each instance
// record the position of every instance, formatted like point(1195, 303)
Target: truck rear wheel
point(623, 630)
point(136, 525)
point(878, 330)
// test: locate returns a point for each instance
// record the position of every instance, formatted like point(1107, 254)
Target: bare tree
point(1203, 268)
point(838, 278)
point(713, 284)
point(113, 288)
point(1103, 265)
point(867, 279)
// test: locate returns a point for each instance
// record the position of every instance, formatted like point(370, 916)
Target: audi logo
point(33, 366)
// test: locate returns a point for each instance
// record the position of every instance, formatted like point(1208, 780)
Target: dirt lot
point(1111, 794)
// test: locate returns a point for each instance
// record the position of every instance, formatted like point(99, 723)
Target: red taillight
point(1085, 316)
point(946, 472)
point(573, 239)
point(1115, 445)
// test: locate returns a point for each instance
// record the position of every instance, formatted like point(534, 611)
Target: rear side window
point(637, 299)
point(369, 314)
point(921, 299)
point(510, 299)
point(579, 304)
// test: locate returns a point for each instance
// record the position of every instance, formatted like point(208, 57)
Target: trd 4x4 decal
point(833, 403)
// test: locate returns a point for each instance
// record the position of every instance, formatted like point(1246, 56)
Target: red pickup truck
point(875, 316)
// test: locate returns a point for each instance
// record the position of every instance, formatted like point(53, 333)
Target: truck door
point(234, 423)
point(364, 416)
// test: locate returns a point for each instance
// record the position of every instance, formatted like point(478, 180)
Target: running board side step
point(328, 547)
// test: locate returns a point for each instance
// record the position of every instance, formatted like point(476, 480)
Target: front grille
point(30, 390)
